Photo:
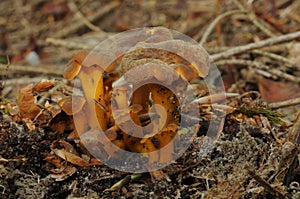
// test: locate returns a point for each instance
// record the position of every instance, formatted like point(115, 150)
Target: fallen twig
point(34, 69)
point(290, 102)
point(252, 17)
point(262, 66)
point(72, 28)
point(74, 8)
point(275, 56)
point(44, 97)
point(294, 134)
point(24, 80)
point(216, 21)
point(256, 45)
point(265, 184)
point(277, 48)
point(69, 44)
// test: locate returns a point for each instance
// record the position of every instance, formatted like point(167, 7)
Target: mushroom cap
point(72, 105)
point(189, 60)
point(153, 69)
point(178, 51)
point(74, 65)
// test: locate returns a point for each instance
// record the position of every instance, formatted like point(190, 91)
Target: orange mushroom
point(142, 105)
point(147, 63)
point(91, 78)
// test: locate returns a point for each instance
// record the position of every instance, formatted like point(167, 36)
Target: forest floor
point(254, 44)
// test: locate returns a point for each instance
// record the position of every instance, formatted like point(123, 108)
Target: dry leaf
point(66, 172)
point(70, 157)
point(94, 161)
point(273, 91)
point(26, 103)
point(43, 86)
point(55, 160)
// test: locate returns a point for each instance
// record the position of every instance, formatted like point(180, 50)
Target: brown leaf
point(273, 91)
point(66, 145)
point(61, 123)
point(94, 161)
point(64, 173)
point(53, 159)
point(43, 86)
point(26, 103)
point(70, 157)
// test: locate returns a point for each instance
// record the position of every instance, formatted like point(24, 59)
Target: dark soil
point(256, 156)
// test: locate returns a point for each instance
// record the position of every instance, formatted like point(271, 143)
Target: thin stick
point(289, 102)
point(74, 8)
point(44, 97)
point(218, 26)
point(74, 27)
point(69, 44)
point(24, 80)
point(264, 183)
point(256, 45)
point(259, 65)
point(216, 21)
point(255, 22)
point(252, 17)
point(30, 69)
point(275, 56)
point(21, 12)
point(284, 75)
point(294, 134)
point(272, 49)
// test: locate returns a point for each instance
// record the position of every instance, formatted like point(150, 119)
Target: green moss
point(3, 60)
point(3, 100)
point(271, 115)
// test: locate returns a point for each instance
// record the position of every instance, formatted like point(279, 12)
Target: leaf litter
point(256, 156)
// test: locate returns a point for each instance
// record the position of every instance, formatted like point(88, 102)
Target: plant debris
point(255, 45)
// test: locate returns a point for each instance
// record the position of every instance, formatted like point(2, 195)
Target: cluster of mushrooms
point(137, 99)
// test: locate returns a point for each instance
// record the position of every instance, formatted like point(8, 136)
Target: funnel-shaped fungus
point(91, 78)
point(137, 99)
